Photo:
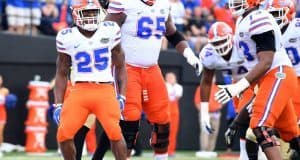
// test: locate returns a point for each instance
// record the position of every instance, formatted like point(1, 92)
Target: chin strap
point(149, 2)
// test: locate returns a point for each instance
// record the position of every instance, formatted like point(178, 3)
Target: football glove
point(205, 118)
point(121, 100)
point(56, 113)
point(227, 92)
point(193, 60)
point(230, 133)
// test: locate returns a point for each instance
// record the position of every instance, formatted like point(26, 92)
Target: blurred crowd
point(34, 17)
point(47, 17)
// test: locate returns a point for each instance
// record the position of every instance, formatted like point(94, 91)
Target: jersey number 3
point(85, 60)
point(293, 55)
point(246, 50)
point(145, 27)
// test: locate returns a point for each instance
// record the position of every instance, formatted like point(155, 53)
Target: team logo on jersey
point(280, 75)
point(104, 40)
point(293, 40)
point(162, 11)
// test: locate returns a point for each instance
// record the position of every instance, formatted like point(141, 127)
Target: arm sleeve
point(264, 41)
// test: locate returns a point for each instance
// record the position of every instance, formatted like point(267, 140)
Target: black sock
point(79, 141)
point(102, 147)
point(252, 149)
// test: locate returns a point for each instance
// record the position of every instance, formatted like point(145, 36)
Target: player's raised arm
point(118, 59)
point(181, 45)
point(63, 64)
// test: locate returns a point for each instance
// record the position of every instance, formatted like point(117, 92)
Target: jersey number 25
point(99, 59)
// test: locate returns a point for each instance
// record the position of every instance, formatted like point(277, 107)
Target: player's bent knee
point(63, 135)
point(160, 137)
point(132, 115)
point(265, 137)
point(114, 132)
point(130, 130)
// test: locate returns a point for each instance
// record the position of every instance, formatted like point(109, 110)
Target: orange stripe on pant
point(86, 98)
point(146, 91)
point(273, 105)
point(174, 124)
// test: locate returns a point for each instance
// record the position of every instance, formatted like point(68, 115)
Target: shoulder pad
point(63, 38)
point(207, 55)
point(260, 22)
point(116, 6)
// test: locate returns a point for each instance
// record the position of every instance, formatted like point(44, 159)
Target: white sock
point(243, 152)
point(161, 156)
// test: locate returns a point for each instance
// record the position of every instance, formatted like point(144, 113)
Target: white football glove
point(205, 118)
point(226, 92)
point(193, 60)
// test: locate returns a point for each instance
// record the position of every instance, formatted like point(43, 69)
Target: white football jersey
point(255, 23)
point(235, 67)
point(91, 57)
point(291, 43)
point(142, 30)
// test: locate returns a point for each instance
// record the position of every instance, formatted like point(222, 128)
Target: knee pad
point(160, 137)
point(130, 130)
point(295, 144)
point(265, 137)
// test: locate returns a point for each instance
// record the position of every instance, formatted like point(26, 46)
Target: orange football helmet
point(282, 10)
point(87, 14)
point(220, 37)
point(238, 7)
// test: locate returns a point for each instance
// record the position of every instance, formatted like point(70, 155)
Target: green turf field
point(182, 155)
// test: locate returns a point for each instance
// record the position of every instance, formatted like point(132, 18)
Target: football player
point(143, 23)
point(221, 54)
point(259, 38)
point(91, 47)
point(284, 14)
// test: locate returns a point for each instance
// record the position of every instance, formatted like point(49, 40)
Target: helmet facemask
point(88, 19)
point(280, 15)
point(237, 7)
point(222, 44)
